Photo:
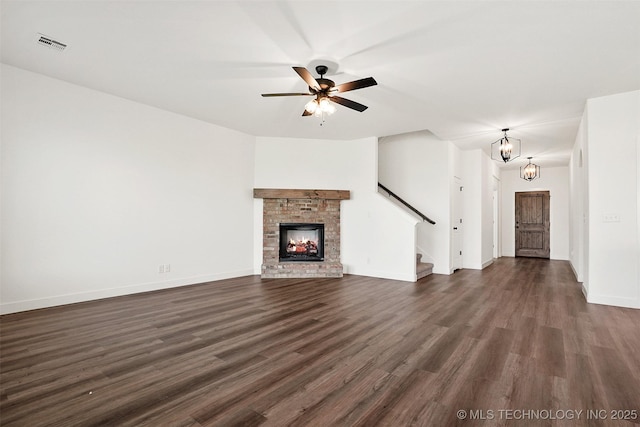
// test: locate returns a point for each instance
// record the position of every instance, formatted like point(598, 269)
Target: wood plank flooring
point(504, 344)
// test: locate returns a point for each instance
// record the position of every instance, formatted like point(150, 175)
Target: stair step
point(423, 269)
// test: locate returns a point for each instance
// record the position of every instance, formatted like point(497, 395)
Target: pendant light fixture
point(530, 172)
point(506, 148)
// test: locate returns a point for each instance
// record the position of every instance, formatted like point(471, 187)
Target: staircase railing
point(411, 208)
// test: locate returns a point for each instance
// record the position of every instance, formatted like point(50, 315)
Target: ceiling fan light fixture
point(324, 91)
point(506, 148)
point(530, 171)
point(311, 106)
point(320, 107)
point(326, 106)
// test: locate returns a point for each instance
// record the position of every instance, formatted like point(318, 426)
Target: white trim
point(575, 273)
point(614, 301)
point(478, 266)
point(380, 274)
point(14, 307)
point(638, 210)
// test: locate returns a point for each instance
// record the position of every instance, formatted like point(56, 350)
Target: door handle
point(455, 228)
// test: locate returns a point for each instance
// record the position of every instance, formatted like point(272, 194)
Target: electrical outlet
point(167, 268)
point(161, 269)
point(611, 217)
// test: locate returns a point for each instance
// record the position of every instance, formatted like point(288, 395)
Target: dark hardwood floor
point(506, 345)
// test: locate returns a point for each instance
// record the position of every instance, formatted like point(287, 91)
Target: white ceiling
point(462, 70)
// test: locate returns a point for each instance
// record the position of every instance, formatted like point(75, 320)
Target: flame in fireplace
point(303, 245)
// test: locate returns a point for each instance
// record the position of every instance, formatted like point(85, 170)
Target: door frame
point(457, 227)
point(497, 202)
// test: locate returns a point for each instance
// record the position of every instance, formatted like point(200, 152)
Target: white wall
point(472, 224)
point(478, 177)
point(613, 135)
point(456, 207)
point(552, 179)
point(98, 191)
point(416, 166)
point(492, 177)
point(378, 238)
point(579, 202)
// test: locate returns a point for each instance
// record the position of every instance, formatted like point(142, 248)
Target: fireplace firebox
point(301, 242)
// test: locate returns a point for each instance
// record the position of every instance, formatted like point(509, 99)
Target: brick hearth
point(301, 206)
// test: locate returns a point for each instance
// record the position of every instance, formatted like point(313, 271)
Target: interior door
point(456, 227)
point(496, 218)
point(496, 232)
point(532, 224)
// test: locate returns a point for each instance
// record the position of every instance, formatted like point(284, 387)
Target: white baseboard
point(614, 301)
point(438, 270)
point(575, 273)
point(17, 306)
point(406, 277)
point(477, 266)
point(487, 263)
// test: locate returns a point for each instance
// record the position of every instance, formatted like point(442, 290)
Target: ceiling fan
point(325, 90)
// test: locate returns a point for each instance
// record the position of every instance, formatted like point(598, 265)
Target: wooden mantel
point(283, 193)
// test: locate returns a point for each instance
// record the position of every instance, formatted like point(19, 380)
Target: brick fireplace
point(290, 206)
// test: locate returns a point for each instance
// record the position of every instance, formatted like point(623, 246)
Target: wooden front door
point(532, 224)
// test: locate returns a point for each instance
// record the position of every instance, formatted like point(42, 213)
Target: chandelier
point(506, 148)
point(530, 172)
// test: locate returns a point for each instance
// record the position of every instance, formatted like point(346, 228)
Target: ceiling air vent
point(50, 43)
